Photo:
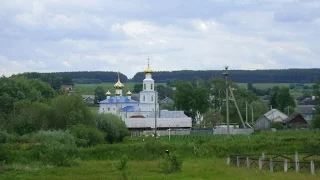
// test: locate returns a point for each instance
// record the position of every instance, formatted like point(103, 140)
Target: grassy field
point(88, 89)
point(204, 157)
point(213, 168)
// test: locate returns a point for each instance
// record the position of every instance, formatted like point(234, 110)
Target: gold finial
point(129, 93)
point(108, 93)
point(118, 85)
point(148, 70)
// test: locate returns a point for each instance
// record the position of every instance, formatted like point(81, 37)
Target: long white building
point(142, 114)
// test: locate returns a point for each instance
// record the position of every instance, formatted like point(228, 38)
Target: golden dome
point(148, 69)
point(118, 85)
point(129, 93)
point(108, 93)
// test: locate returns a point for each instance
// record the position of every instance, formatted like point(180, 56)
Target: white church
point(144, 113)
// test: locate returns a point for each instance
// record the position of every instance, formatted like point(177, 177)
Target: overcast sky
point(103, 35)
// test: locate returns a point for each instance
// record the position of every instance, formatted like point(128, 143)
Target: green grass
point(269, 85)
point(212, 168)
point(208, 161)
point(94, 109)
point(88, 89)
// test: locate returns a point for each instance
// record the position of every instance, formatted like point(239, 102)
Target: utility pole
point(252, 114)
point(246, 112)
point(155, 115)
point(227, 98)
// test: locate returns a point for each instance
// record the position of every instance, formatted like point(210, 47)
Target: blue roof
point(120, 99)
point(129, 109)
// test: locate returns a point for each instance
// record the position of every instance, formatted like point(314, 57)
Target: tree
point(193, 100)
point(99, 94)
point(137, 88)
point(112, 126)
point(284, 99)
point(164, 92)
point(70, 110)
point(316, 118)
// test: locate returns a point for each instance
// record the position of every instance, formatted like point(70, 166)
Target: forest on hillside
point(238, 76)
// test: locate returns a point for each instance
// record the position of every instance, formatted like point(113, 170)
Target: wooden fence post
point(312, 168)
point(285, 166)
point(262, 156)
point(296, 159)
point(271, 165)
point(260, 163)
point(248, 162)
point(238, 161)
point(228, 160)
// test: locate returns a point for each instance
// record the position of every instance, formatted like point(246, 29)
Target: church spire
point(148, 69)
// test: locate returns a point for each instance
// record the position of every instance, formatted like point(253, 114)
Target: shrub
point(87, 136)
point(123, 163)
point(276, 125)
point(171, 163)
point(56, 153)
point(3, 137)
point(112, 126)
point(3, 154)
point(56, 147)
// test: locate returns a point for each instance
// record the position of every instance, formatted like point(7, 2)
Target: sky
point(117, 35)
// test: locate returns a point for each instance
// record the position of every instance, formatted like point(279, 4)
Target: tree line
point(239, 76)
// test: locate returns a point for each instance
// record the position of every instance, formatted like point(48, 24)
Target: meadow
point(204, 157)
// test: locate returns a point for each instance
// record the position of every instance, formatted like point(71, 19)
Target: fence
point(299, 162)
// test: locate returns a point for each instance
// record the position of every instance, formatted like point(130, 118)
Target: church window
point(108, 109)
point(144, 86)
point(151, 86)
point(144, 98)
point(151, 97)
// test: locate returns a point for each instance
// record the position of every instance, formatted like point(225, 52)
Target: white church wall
point(161, 122)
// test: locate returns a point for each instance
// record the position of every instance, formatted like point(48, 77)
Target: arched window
point(144, 86)
point(151, 97)
point(108, 109)
point(151, 86)
point(144, 98)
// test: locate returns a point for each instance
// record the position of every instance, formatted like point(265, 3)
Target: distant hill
point(239, 76)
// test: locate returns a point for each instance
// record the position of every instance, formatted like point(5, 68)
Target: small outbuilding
point(295, 120)
point(274, 115)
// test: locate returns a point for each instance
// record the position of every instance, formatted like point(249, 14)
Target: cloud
point(75, 35)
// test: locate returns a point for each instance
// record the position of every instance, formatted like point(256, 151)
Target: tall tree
point(284, 99)
point(137, 88)
point(99, 94)
point(193, 100)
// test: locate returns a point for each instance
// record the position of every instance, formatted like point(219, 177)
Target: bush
point(54, 147)
point(56, 153)
point(112, 126)
point(171, 163)
point(87, 136)
point(3, 154)
point(122, 166)
point(276, 125)
point(3, 137)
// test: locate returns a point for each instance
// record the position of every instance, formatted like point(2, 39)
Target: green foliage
point(4, 154)
point(123, 163)
point(70, 110)
point(99, 94)
point(170, 163)
point(3, 136)
point(164, 92)
point(56, 153)
point(87, 136)
point(276, 125)
point(15, 89)
point(316, 121)
point(29, 117)
point(56, 148)
point(137, 88)
point(194, 101)
point(112, 126)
